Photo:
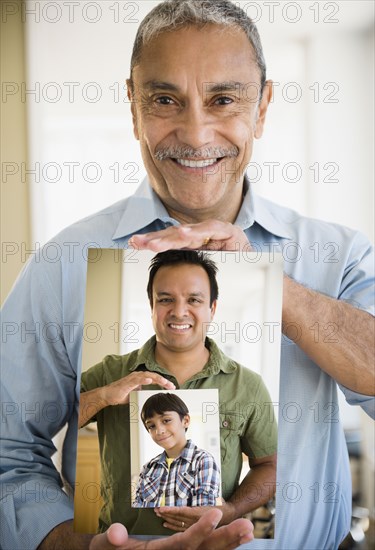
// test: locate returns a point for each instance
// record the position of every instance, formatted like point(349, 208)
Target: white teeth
point(196, 163)
point(180, 327)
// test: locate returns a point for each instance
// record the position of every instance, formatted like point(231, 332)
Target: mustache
point(187, 152)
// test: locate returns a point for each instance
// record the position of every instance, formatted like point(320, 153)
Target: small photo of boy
point(184, 474)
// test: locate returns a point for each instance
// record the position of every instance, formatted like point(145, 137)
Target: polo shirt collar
point(144, 207)
point(217, 361)
point(146, 356)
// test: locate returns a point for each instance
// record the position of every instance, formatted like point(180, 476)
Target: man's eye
point(164, 300)
point(196, 300)
point(164, 100)
point(223, 100)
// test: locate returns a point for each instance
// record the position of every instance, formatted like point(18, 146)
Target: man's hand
point(257, 487)
point(203, 535)
point(207, 235)
point(117, 393)
point(180, 518)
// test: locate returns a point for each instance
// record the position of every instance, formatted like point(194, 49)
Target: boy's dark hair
point(159, 403)
point(178, 257)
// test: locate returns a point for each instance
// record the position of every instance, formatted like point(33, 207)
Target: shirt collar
point(187, 454)
point(217, 361)
point(141, 210)
point(146, 356)
point(255, 209)
point(188, 451)
point(144, 207)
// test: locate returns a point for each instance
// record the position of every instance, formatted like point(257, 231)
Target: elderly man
point(183, 294)
point(192, 67)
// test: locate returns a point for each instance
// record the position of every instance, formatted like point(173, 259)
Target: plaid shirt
point(192, 480)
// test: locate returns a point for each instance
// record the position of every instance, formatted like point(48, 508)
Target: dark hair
point(159, 403)
point(178, 257)
point(172, 15)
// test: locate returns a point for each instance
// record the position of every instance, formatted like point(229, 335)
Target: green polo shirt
point(247, 425)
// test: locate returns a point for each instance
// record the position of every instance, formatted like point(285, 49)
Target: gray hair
point(172, 15)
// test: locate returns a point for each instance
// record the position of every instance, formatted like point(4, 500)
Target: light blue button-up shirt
point(41, 358)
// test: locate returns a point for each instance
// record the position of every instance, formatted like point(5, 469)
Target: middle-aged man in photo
point(193, 67)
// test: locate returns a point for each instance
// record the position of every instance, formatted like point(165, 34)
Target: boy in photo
point(183, 474)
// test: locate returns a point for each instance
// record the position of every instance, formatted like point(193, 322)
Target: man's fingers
point(118, 392)
point(145, 379)
point(227, 537)
point(200, 536)
point(175, 520)
point(115, 537)
point(196, 536)
point(160, 380)
point(132, 381)
point(173, 512)
point(178, 510)
point(210, 235)
point(230, 536)
point(193, 539)
point(182, 236)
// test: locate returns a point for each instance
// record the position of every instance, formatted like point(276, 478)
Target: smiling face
point(196, 113)
point(169, 431)
point(181, 310)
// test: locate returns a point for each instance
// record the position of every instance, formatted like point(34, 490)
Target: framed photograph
point(175, 448)
point(142, 319)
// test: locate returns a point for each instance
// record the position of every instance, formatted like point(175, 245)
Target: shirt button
point(225, 424)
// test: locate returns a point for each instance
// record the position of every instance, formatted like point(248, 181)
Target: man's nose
point(195, 127)
point(179, 308)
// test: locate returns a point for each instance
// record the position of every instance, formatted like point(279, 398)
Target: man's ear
point(262, 109)
point(130, 92)
point(213, 309)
